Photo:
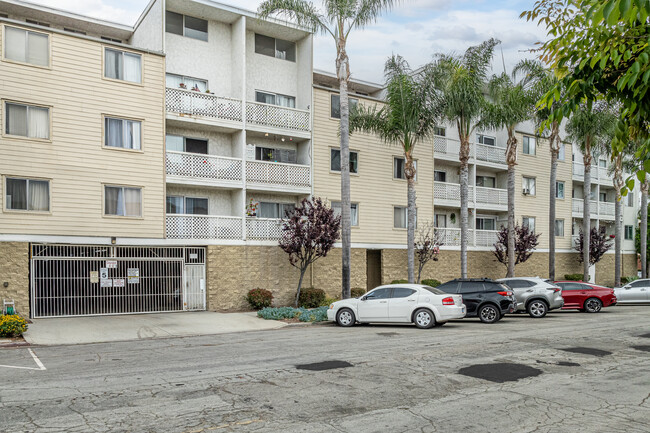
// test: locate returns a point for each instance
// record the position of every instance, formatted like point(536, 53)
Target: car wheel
point(345, 317)
point(489, 314)
point(424, 319)
point(593, 305)
point(537, 309)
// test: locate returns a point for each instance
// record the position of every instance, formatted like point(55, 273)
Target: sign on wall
point(133, 275)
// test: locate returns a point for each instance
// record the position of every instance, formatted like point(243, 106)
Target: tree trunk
point(586, 218)
point(511, 159)
point(551, 217)
point(410, 225)
point(464, 213)
point(343, 72)
point(644, 230)
point(302, 274)
point(618, 233)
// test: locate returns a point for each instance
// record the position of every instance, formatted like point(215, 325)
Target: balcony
point(598, 174)
point(282, 118)
point(203, 105)
point(488, 153)
point(491, 198)
point(449, 193)
point(274, 176)
point(578, 208)
point(479, 238)
point(263, 229)
point(449, 148)
point(200, 169)
point(485, 238)
point(606, 210)
point(203, 227)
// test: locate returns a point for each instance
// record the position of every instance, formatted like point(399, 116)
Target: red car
point(587, 297)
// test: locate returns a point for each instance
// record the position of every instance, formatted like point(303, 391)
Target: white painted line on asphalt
point(38, 362)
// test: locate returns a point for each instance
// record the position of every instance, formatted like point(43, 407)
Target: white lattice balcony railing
point(202, 166)
point(263, 229)
point(447, 146)
point(485, 238)
point(451, 191)
point(261, 114)
point(203, 227)
point(451, 236)
point(578, 206)
point(278, 173)
point(579, 170)
point(489, 153)
point(203, 104)
point(494, 196)
point(606, 208)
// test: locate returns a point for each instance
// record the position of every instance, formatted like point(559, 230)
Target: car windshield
point(434, 290)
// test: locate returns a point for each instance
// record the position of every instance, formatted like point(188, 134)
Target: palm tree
point(410, 114)
point(636, 163)
point(590, 127)
point(539, 82)
point(338, 19)
point(511, 103)
point(461, 82)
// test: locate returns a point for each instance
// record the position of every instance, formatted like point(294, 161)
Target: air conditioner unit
point(526, 191)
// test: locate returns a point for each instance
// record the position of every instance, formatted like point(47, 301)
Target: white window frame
point(480, 138)
point(352, 102)
point(277, 204)
point(561, 155)
point(557, 189)
point(525, 221)
point(185, 79)
point(184, 203)
point(555, 228)
point(625, 232)
point(406, 217)
point(415, 165)
point(440, 131)
point(207, 32)
point(354, 211)
point(275, 95)
point(486, 218)
point(123, 53)
point(630, 199)
point(4, 49)
point(5, 131)
point(275, 48)
point(435, 172)
point(185, 138)
point(28, 180)
point(526, 147)
point(125, 121)
point(123, 187)
point(483, 177)
point(335, 170)
point(526, 185)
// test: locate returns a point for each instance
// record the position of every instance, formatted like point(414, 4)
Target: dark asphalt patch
point(325, 365)
point(645, 335)
point(587, 351)
point(501, 372)
point(560, 363)
point(642, 348)
point(387, 334)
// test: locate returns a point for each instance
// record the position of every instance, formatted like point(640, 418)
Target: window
point(27, 194)
point(274, 210)
point(122, 201)
point(27, 120)
point(440, 220)
point(559, 228)
point(335, 161)
point(471, 287)
point(439, 130)
point(402, 292)
point(400, 217)
point(486, 139)
point(529, 145)
point(187, 205)
point(275, 99)
point(561, 153)
point(559, 189)
point(38, 23)
point(184, 25)
point(602, 196)
point(288, 156)
point(180, 81)
point(176, 143)
point(122, 133)
point(528, 184)
point(268, 46)
point(26, 46)
point(399, 164)
point(335, 109)
point(354, 212)
point(517, 284)
point(486, 181)
point(629, 233)
point(602, 163)
point(630, 198)
point(486, 224)
point(120, 65)
point(379, 294)
point(439, 176)
point(529, 222)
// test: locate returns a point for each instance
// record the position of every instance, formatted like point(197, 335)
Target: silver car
point(535, 295)
point(636, 292)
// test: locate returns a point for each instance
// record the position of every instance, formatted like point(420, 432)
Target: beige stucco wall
point(14, 270)
point(74, 159)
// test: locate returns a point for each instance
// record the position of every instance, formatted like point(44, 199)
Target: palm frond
point(301, 12)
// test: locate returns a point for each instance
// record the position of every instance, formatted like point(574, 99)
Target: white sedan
point(399, 303)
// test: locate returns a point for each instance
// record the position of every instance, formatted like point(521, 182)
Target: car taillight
point(505, 293)
point(557, 289)
point(448, 301)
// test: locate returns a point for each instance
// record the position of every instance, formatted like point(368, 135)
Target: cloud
point(127, 12)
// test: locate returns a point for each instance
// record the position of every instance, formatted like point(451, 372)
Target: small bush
point(431, 282)
point(625, 280)
point(357, 292)
point(304, 315)
point(311, 298)
point(328, 301)
point(12, 325)
point(573, 277)
point(399, 282)
point(259, 298)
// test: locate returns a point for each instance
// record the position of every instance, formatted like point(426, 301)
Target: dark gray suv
point(485, 298)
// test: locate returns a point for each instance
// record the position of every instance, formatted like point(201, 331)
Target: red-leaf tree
point(427, 247)
point(599, 244)
point(308, 233)
point(525, 243)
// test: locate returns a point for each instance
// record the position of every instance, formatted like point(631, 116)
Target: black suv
point(485, 298)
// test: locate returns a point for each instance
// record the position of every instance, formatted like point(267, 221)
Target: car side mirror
point(363, 298)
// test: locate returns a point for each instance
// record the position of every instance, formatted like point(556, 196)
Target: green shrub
point(431, 282)
point(328, 301)
point(573, 277)
point(357, 292)
point(399, 282)
point(259, 298)
point(304, 315)
point(311, 298)
point(625, 280)
point(12, 325)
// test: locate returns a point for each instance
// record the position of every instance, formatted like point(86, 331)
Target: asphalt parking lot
point(567, 372)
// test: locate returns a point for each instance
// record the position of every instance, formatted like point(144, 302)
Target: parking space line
point(36, 360)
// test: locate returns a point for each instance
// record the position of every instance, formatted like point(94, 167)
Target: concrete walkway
point(102, 329)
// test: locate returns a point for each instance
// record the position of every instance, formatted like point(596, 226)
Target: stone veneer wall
point(14, 270)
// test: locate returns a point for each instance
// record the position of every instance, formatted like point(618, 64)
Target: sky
point(414, 29)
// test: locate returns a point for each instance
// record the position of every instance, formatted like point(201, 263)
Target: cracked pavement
point(402, 379)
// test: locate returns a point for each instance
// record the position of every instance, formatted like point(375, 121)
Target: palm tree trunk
point(343, 72)
point(618, 227)
point(586, 218)
point(551, 216)
point(410, 236)
point(511, 158)
point(464, 211)
point(644, 229)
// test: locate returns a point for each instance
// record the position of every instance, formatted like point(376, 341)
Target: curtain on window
point(265, 98)
point(16, 194)
point(132, 68)
point(39, 195)
point(38, 51)
point(113, 64)
point(39, 122)
point(268, 210)
point(132, 134)
point(16, 119)
point(114, 132)
point(196, 206)
point(285, 101)
point(173, 81)
point(400, 217)
point(354, 215)
point(113, 201)
point(15, 44)
point(132, 201)
point(192, 83)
